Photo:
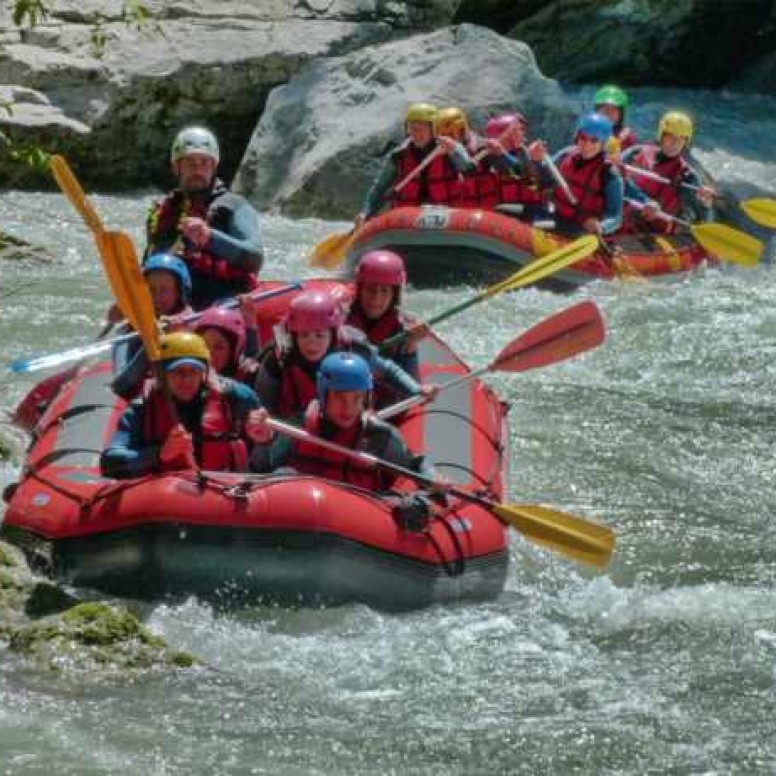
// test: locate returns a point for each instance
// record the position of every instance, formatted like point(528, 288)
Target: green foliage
point(29, 12)
point(31, 156)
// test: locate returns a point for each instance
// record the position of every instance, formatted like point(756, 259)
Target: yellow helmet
point(675, 123)
point(421, 111)
point(183, 347)
point(451, 122)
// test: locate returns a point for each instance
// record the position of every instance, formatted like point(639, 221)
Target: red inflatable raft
point(442, 245)
point(290, 539)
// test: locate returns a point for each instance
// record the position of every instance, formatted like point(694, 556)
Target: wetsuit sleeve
point(613, 191)
point(394, 377)
point(546, 179)
point(379, 189)
point(460, 159)
point(632, 191)
point(409, 362)
point(130, 367)
point(126, 456)
point(395, 451)
point(278, 453)
point(241, 245)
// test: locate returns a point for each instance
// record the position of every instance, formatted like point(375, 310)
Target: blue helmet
point(595, 125)
point(169, 263)
point(343, 372)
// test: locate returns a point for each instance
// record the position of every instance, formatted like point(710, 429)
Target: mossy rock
point(96, 637)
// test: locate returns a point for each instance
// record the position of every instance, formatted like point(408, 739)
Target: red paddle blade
point(561, 336)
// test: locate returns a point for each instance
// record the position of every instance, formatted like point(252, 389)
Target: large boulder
point(322, 136)
point(663, 42)
point(111, 95)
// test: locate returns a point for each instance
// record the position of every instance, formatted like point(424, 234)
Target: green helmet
point(611, 95)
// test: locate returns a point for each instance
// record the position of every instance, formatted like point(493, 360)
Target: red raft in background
point(443, 245)
point(287, 539)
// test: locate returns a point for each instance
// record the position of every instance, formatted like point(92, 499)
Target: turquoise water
point(665, 663)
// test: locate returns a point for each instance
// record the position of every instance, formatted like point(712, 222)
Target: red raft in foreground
point(444, 245)
point(287, 539)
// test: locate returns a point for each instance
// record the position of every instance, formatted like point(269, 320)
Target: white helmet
point(194, 140)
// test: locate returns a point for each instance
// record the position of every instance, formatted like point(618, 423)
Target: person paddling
point(591, 198)
point(339, 413)
point(232, 339)
point(512, 168)
point(376, 309)
point(216, 232)
point(401, 182)
point(204, 427)
point(611, 101)
point(169, 282)
point(683, 194)
point(313, 328)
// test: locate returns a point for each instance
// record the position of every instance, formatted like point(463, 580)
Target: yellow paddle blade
point(71, 188)
point(330, 252)
point(728, 244)
point(130, 289)
point(572, 536)
point(761, 211)
point(546, 265)
point(110, 262)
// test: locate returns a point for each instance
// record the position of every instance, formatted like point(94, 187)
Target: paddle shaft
point(413, 401)
point(93, 349)
point(536, 270)
point(481, 154)
point(559, 179)
point(565, 334)
point(438, 151)
point(372, 460)
point(572, 536)
point(659, 178)
point(660, 214)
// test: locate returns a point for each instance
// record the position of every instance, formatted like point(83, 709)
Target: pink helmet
point(497, 126)
point(314, 311)
point(384, 267)
point(230, 322)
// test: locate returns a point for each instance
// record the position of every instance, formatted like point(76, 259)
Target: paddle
point(720, 240)
point(72, 189)
point(538, 269)
point(330, 252)
point(559, 179)
point(563, 335)
point(761, 210)
point(572, 536)
point(24, 365)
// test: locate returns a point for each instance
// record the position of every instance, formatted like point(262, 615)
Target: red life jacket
point(437, 184)
point(163, 227)
point(297, 385)
point(312, 459)
point(674, 168)
point(218, 445)
point(518, 190)
point(585, 178)
point(380, 329)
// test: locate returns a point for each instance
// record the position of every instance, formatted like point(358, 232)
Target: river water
point(665, 663)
